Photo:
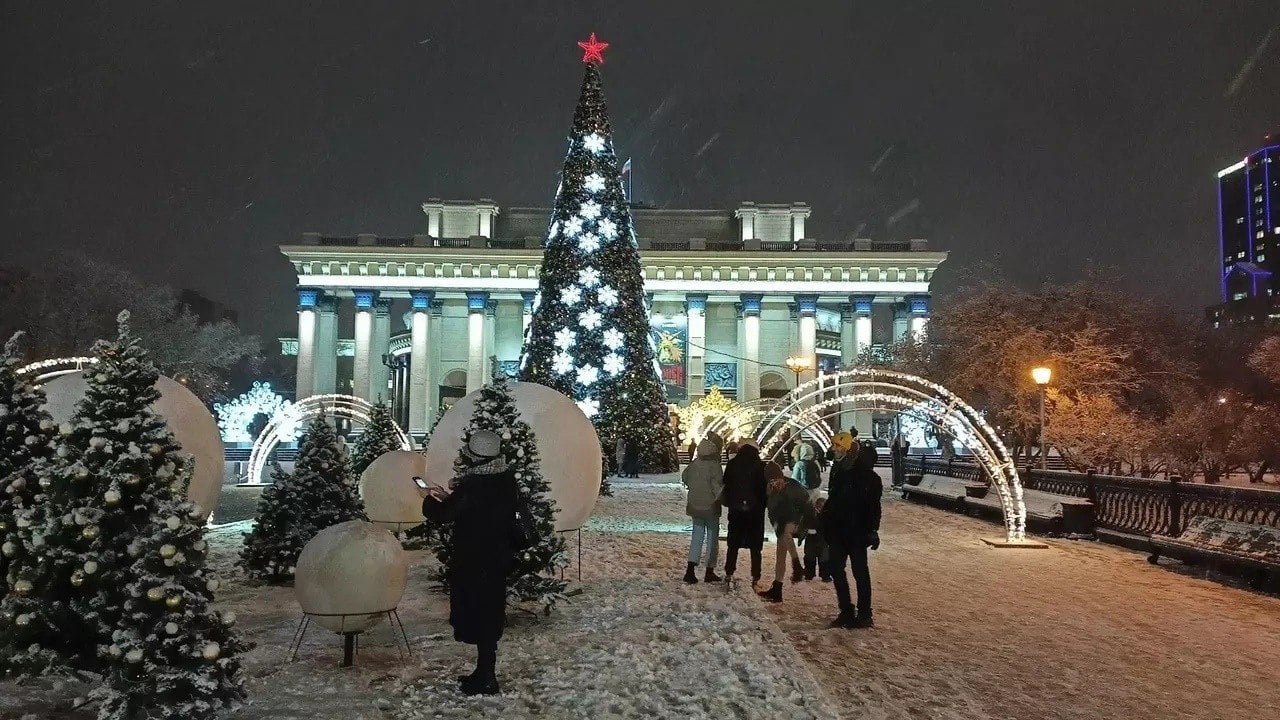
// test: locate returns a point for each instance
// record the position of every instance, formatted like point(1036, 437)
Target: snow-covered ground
point(963, 631)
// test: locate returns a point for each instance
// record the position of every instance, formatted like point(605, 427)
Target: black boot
point(773, 594)
point(844, 620)
point(863, 619)
point(711, 576)
point(483, 681)
point(691, 575)
point(480, 685)
point(810, 568)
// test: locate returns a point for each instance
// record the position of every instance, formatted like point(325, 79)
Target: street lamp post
point(1042, 375)
point(798, 364)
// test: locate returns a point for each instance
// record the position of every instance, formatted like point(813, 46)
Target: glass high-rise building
point(1249, 236)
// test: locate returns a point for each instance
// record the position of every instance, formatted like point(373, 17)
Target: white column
point(750, 380)
point(476, 360)
point(490, 339)
point(695, 307)
point(364, 340)
point(306, 368)
point(860, 306)
point(326, 357)
point(420, 364)
point(807, 312)
point(919, 308)
point(379, 373)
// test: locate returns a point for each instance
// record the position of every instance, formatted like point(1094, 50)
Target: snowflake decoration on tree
point(594, 143)
point(589, 319)
point(608, 229)
point(573, 226)
point(570, 295)
point(608, 296)
point(594, 182)
point(613, 364)
point(589, 243)
point(587, 374)
point(589, 210)
point(589, 277)
point(565, 338)
point(614, 339)
point(589, 406)
point(562, 363)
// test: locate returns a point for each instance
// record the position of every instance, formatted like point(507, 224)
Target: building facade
point(420, 321)
point(1249, 237)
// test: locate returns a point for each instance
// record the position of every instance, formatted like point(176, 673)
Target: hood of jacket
point(708, 450)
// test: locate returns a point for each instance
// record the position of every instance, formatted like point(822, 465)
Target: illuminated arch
point(46, 370)
point(762, 409)
point(348, 406)
point(235, 417)
point(900, 392)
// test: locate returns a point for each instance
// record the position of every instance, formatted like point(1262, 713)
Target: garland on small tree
point(320, 492)
point(533, 572)
point(379, 437)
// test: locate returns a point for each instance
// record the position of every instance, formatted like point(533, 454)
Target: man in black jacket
point(851, 520)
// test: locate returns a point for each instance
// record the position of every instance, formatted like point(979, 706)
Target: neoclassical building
point(422, 320)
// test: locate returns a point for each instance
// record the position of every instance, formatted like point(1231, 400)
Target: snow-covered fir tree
point(379, 437)
point(589, 335)
point(533, 576)
point(26, 440)
point(123, 584)
point(318, 493)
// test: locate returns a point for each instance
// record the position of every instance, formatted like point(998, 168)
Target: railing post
point(1175, 506)
point(1091, 486)
point(950, 460)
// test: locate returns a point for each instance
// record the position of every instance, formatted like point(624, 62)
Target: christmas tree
point(533, 571)
point(320, 492)
point(379, 436)
point(589, 335)
point(122, 588)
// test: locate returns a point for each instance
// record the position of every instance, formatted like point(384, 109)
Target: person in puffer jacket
point(744, 498)
point(789, 509)
point(705, 481)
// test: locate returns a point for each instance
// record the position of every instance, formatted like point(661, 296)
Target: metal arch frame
point(317, 405)
point(46, 370)
point(912, 392)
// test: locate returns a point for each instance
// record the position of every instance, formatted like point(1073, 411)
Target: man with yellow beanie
point(851, 522)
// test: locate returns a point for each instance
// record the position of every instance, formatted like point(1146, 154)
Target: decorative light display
point(53, 367)
point(593, 49)
point(588, 344)
point(348, 406)
point(902, 392)
point(695, 418)
point(236, 417)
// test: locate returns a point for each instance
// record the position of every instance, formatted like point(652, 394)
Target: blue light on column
point(919, 305)
point(751, 304)
point(861, 303)
point(477, 300)
point(364, 299)
point(807, 304)
point(697, 303)
point(308, 298)
point(421, 299)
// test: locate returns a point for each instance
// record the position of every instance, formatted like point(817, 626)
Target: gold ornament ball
point(173, 602)
point(155, 449)
point(77, 578)
point(155, 594)
point(90, 532)
point(167, 551)
point(24, 620)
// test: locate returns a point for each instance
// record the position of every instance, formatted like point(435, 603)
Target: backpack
point(813, 475)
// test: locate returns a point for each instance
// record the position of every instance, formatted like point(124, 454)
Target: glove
point(873, 541)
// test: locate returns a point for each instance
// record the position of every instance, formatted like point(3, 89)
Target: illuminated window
point(1239, 296)
point(1261, 258)
point(1239, 221)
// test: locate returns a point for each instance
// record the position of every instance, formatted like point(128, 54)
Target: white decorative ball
point(171, 628)
point(173, 522)
point(568, 447)
point(90, 567)
point(212, 584)
point(212, 651)
point(111, 496)
point(229, 618)
point(349, 575)
point(134, 655)
point(9, 549)
point(390, 497)
point(188, 419)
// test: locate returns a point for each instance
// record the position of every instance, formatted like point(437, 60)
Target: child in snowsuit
point(815, 545)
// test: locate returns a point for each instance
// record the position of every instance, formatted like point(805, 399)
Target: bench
point(1224, 544)
point(1047, 513)
point(945, 492)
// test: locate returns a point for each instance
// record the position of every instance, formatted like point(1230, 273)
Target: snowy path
point(1080, 631)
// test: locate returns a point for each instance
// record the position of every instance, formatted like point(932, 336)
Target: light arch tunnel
point(807, 409)
point(347, 406)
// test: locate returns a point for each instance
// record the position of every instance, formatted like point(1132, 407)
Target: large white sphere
point(350, 575)
point(188, 419)
point(567, 446)
point(390, 497)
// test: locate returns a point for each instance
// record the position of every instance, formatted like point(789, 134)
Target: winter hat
point(842, 441)
point(484, 445)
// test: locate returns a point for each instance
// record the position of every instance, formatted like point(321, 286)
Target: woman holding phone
point(482, 507)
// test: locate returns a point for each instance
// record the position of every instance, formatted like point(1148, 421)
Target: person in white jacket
point(705, 480)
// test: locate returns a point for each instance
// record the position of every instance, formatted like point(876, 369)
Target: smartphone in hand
point(422, 484)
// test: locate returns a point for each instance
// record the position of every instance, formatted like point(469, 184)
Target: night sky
point(187, 140)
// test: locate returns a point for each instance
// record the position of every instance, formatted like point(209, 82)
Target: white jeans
point(710, 532)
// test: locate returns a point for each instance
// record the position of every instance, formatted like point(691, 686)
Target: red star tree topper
point(593, 50)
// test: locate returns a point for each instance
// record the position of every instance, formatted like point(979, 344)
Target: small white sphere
point(90, 567)
point(172, 522)
point(349, 574)
point(111, 496)
point(212, 651)
point(134, 655)
point(391, 500)
point(212, 584)
point(171, 628)
point(229, 618)
point(9, 549)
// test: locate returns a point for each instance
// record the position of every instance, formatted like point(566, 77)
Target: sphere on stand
point(391, 500)
point(568, 448)
point(350, 575)
point(188, 419)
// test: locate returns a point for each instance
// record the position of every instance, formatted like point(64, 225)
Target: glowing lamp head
point(1041, 375)
point(799, 364)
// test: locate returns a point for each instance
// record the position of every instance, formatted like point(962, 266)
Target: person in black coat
point(851, 521)
point(482, 507)
point(745, 498)
point(631, 460)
